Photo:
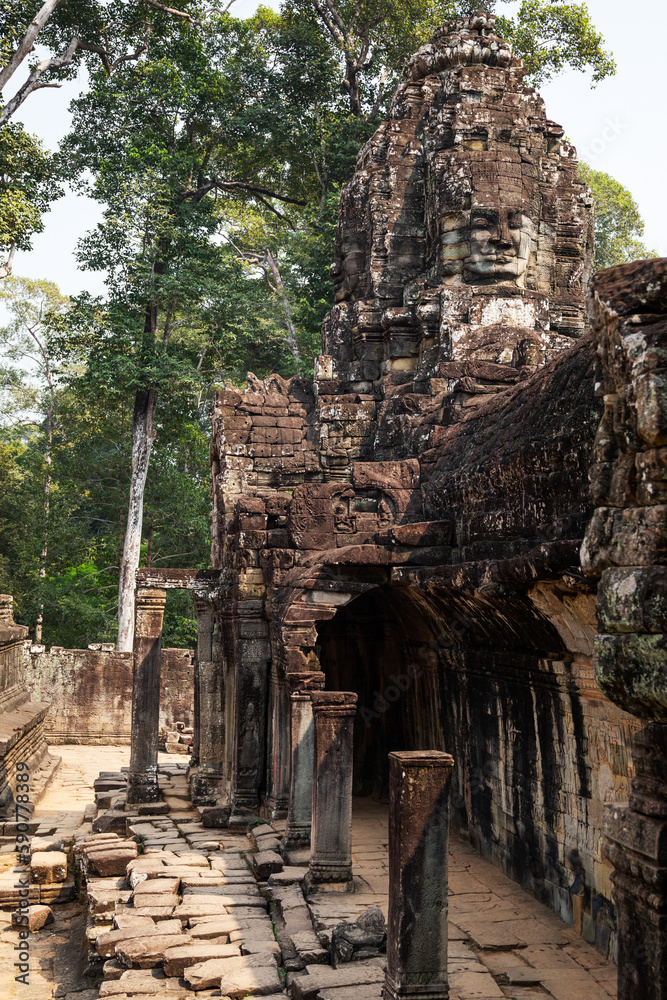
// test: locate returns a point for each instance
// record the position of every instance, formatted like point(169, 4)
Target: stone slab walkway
point(503, 944)
point(58, 952)
point(530, 952)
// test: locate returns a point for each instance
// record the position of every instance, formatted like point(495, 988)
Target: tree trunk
point(143, 436)
point(351, 86)
point(45, 512)
point(291, 337)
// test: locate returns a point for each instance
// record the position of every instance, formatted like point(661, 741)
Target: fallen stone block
point(109, 863)
point(362, 938)
point(152, 809)
point(112, 969)
point(214, 816)
point(46, 844)
point(147, 952)
point(157, 913)
point(154, 899)
point(130, 921)
point(177, 960)
point(157, 887)
point(206, 908)
point(249, 974)
point(229, 863)
point(111, 821)
point(322, 977)
point(261, 830)
point(212, 927)
point(254, 982)
point(288, 876)
point(107, 941)
point(265, 863)
point(190, 859)
point(48, 866)
point(32, 918)
point(144, 982)
point(371, 991)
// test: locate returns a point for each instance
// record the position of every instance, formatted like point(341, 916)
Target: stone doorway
point(383, 646)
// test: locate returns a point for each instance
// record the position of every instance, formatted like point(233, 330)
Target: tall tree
point(72, 31)
point(28, 184)
point(164, 140)
point(374, 39)
point(29, 380)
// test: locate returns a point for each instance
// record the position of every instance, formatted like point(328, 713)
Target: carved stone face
point(500, 242)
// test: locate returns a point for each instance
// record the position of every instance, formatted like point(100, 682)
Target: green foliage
point(372, 40)
point(619, 227)
point(27, 186)
point(552, 35)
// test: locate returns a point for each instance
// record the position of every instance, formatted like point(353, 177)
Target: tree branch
point(6, 268)
point(27, 42)
point(33, 81)
point(177, 13)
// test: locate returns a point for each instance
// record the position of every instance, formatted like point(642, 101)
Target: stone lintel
point(177, 579)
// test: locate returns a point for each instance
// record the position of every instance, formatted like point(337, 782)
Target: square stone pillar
point(208, 784)
point(419, 792)
point(142, 785)
point(331, 838)
point(194, 755)
point(279, 747)
point(300, 805)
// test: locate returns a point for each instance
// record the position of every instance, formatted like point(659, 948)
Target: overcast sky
point(618, 127)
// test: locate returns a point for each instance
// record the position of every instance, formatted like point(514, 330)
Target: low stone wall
point(22, 743)
point(90, 691)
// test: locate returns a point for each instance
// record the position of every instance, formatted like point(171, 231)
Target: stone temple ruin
point(452, 542)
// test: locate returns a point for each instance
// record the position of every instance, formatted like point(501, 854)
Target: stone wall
point(90, 691)
point(22, 721)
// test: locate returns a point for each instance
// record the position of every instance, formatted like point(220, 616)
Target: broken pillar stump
point(419, 791)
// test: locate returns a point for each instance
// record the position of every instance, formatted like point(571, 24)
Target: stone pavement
point(496, 928)
point(208, 920)
point(58, 958)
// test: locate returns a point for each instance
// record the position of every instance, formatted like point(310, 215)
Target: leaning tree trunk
point(45, 514)
point(143, 436)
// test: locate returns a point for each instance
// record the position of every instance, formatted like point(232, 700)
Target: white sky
point(618, 127)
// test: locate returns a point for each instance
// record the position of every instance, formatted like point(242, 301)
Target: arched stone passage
point(487, 678)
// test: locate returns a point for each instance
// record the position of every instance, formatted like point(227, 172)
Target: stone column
point(142, 783)
point(252, 653)
point(636, 844)
point(300, 805)
point(209, 781)
point(331, 850)
point(279, 747)
point(419, 791)
point(194, 756)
